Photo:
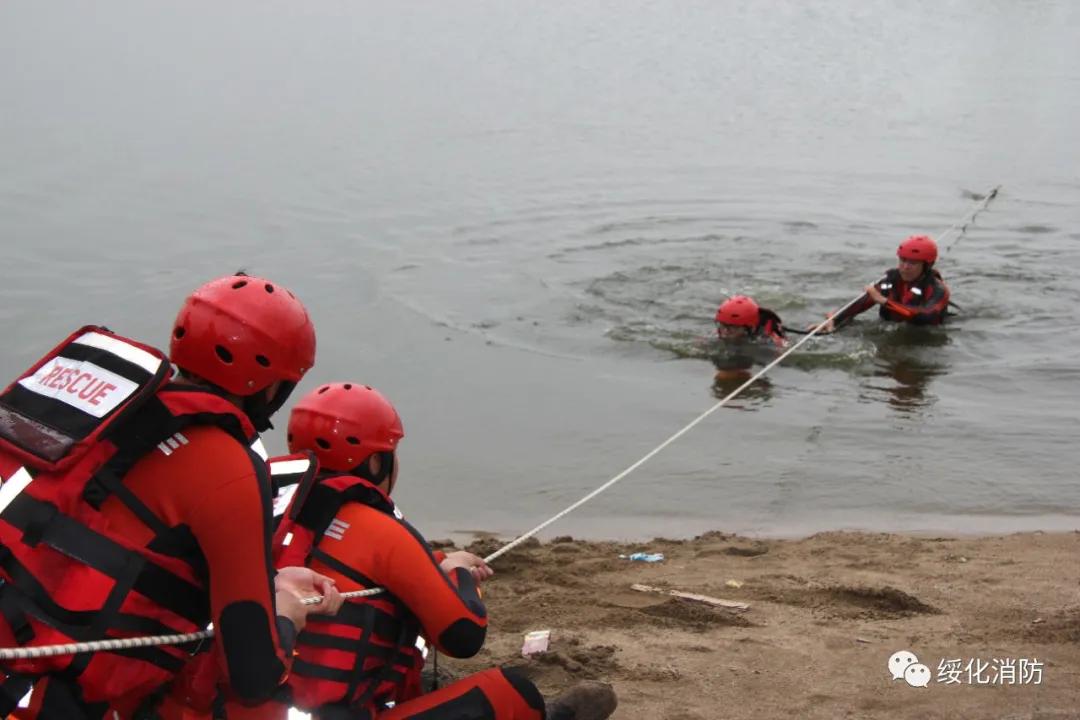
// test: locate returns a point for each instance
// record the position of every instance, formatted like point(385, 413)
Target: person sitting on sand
point(134, 503)
point(342, 521)
point(912, 292)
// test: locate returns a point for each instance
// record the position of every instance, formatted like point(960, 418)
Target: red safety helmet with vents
point(919, 248)
point(739, 310)
point(343, 424)
point(242, 334)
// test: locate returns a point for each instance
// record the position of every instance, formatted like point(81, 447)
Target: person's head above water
point(737, 317)
point(916, 255)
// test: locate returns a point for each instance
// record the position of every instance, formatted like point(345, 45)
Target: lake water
point(514, 218)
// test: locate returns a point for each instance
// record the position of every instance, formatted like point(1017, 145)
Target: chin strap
point(260, 410)
point(386, 468)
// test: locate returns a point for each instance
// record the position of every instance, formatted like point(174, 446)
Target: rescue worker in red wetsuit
point(342, 522)
point(150, 515)
point(912, 292)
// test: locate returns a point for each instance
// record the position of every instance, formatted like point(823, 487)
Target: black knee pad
point(525, 688)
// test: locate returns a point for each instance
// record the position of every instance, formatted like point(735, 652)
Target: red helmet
point(739, 310)
point(343, 424)
point(918, 247)
point(242, 334)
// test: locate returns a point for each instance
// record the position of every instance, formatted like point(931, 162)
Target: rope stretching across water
point(128, 643)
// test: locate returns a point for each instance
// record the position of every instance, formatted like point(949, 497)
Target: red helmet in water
point(739, 310)
point(343, 424)
point(919, 248)
point(243, 334)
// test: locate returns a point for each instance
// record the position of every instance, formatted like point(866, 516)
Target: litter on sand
point(644, 557)
point(536, 642)
point(715, 602)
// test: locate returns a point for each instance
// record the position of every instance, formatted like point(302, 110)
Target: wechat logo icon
point(903, 665)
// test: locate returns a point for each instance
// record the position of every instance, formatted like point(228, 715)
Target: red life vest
point(770, 327)
point(918, 292)
point(366, 654)
point(70, 428)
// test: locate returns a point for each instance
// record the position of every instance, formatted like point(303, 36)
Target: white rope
point(347, 595)
point(511, 545)
point(962, 225)
point(126, 643)
point(43, 651)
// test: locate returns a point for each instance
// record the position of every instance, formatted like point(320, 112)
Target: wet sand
point(825, 615)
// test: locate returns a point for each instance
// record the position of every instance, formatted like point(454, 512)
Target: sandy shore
point(825, 615)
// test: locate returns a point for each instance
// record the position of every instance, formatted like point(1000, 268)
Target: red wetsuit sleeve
point(233, 530)
point(395, 556)
point(219, 490)
point(860, 306)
